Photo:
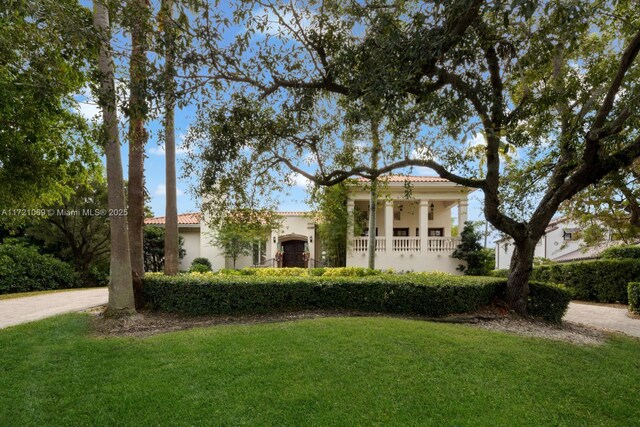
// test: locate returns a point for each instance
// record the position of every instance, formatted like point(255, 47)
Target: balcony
point(407, 244)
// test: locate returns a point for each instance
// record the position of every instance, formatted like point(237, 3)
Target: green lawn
point(332, 371)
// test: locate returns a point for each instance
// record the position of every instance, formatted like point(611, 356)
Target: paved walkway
point(27, 309)
point(603, 317)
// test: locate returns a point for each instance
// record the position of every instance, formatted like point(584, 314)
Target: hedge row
point(601, 281)
point(634, 296)
point(408, 294)
point(24, 269)
point(302, 272)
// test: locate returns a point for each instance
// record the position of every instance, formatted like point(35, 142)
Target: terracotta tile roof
point(402, 178)
point(186, 218)
point(300, 213)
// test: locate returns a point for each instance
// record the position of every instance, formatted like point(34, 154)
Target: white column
point(388, 224)
point(273, 239)
point(311, 232)
point(423, 225)
point(350, 218)
point(463, 207)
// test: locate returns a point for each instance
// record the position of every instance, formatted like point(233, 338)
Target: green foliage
point(238, 231)
point(78, 230)
point(153, 247)
point(200, 265)
point(548, 301)
point(622, 252)
point(46, 47)
point(600, 281)
point(479, 261)
point(24, 269)
point(634, 296)
point(301, 272)
point(411, 294)
point(199, 268)
point(333, 223)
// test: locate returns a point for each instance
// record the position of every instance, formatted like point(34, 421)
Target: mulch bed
point(148, 323)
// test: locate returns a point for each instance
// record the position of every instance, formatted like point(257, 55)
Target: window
point(570, 234)
point(417, 232)
point(365, 231)
point(401, 232)
point(259, 252)
point(436, 232)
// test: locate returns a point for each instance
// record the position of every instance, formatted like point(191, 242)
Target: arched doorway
point(293, 255)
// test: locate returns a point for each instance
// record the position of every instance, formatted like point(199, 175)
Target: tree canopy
point(46, 47)
point(556, 83)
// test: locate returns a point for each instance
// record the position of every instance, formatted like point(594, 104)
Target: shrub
point(24, 269)
point(200, 265)
point(548, 301)
point(634, 296)
point(600, 281)
point(198, 268)
point(202, 294)
point(350, 272)
point(622, 252)
point(479, 261)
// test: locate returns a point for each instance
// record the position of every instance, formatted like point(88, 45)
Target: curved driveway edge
point(603, 317)
point(27, 309)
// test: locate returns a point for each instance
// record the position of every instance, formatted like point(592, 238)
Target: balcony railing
point(407, 244)
point(361, 244)
point(442, 244)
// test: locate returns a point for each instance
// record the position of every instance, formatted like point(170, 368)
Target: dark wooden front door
point(293, 254)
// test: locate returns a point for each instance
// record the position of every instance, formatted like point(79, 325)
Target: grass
point(33, 293)
point(331, 371)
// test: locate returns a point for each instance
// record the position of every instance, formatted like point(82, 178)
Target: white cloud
point(161, 190)
point(478, 139)
point(298, 180)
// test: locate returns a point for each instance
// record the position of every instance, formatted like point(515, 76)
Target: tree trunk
point(171, 213)
point(520, 272)
point(137, 140)
point(373, 199)
point(120, 287)
point(373, 204)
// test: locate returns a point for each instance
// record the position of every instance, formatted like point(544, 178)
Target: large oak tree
point(555, 82)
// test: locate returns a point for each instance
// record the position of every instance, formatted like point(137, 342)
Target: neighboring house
point(401, 240)
point(560, 243)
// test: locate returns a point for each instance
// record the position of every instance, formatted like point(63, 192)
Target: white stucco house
point(561, 242)
point(413, 230)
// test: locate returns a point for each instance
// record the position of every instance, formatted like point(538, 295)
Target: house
point(561, 242)
point(413, 230)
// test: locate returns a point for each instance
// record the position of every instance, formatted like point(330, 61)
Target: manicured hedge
point(413, 294)
point(547, 301)
point(601, 281)
point(634, 296)
point(301, 272)
point(622, 252)
point(24, 269)
point(431, 295)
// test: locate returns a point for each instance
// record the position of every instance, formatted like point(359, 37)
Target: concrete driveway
point(603, 317)
point(27, 309)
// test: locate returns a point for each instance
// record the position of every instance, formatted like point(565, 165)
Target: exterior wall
point(208, 250)
point(427, 254)
point(191, 246)
point(552, 245)
point(407, 261)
